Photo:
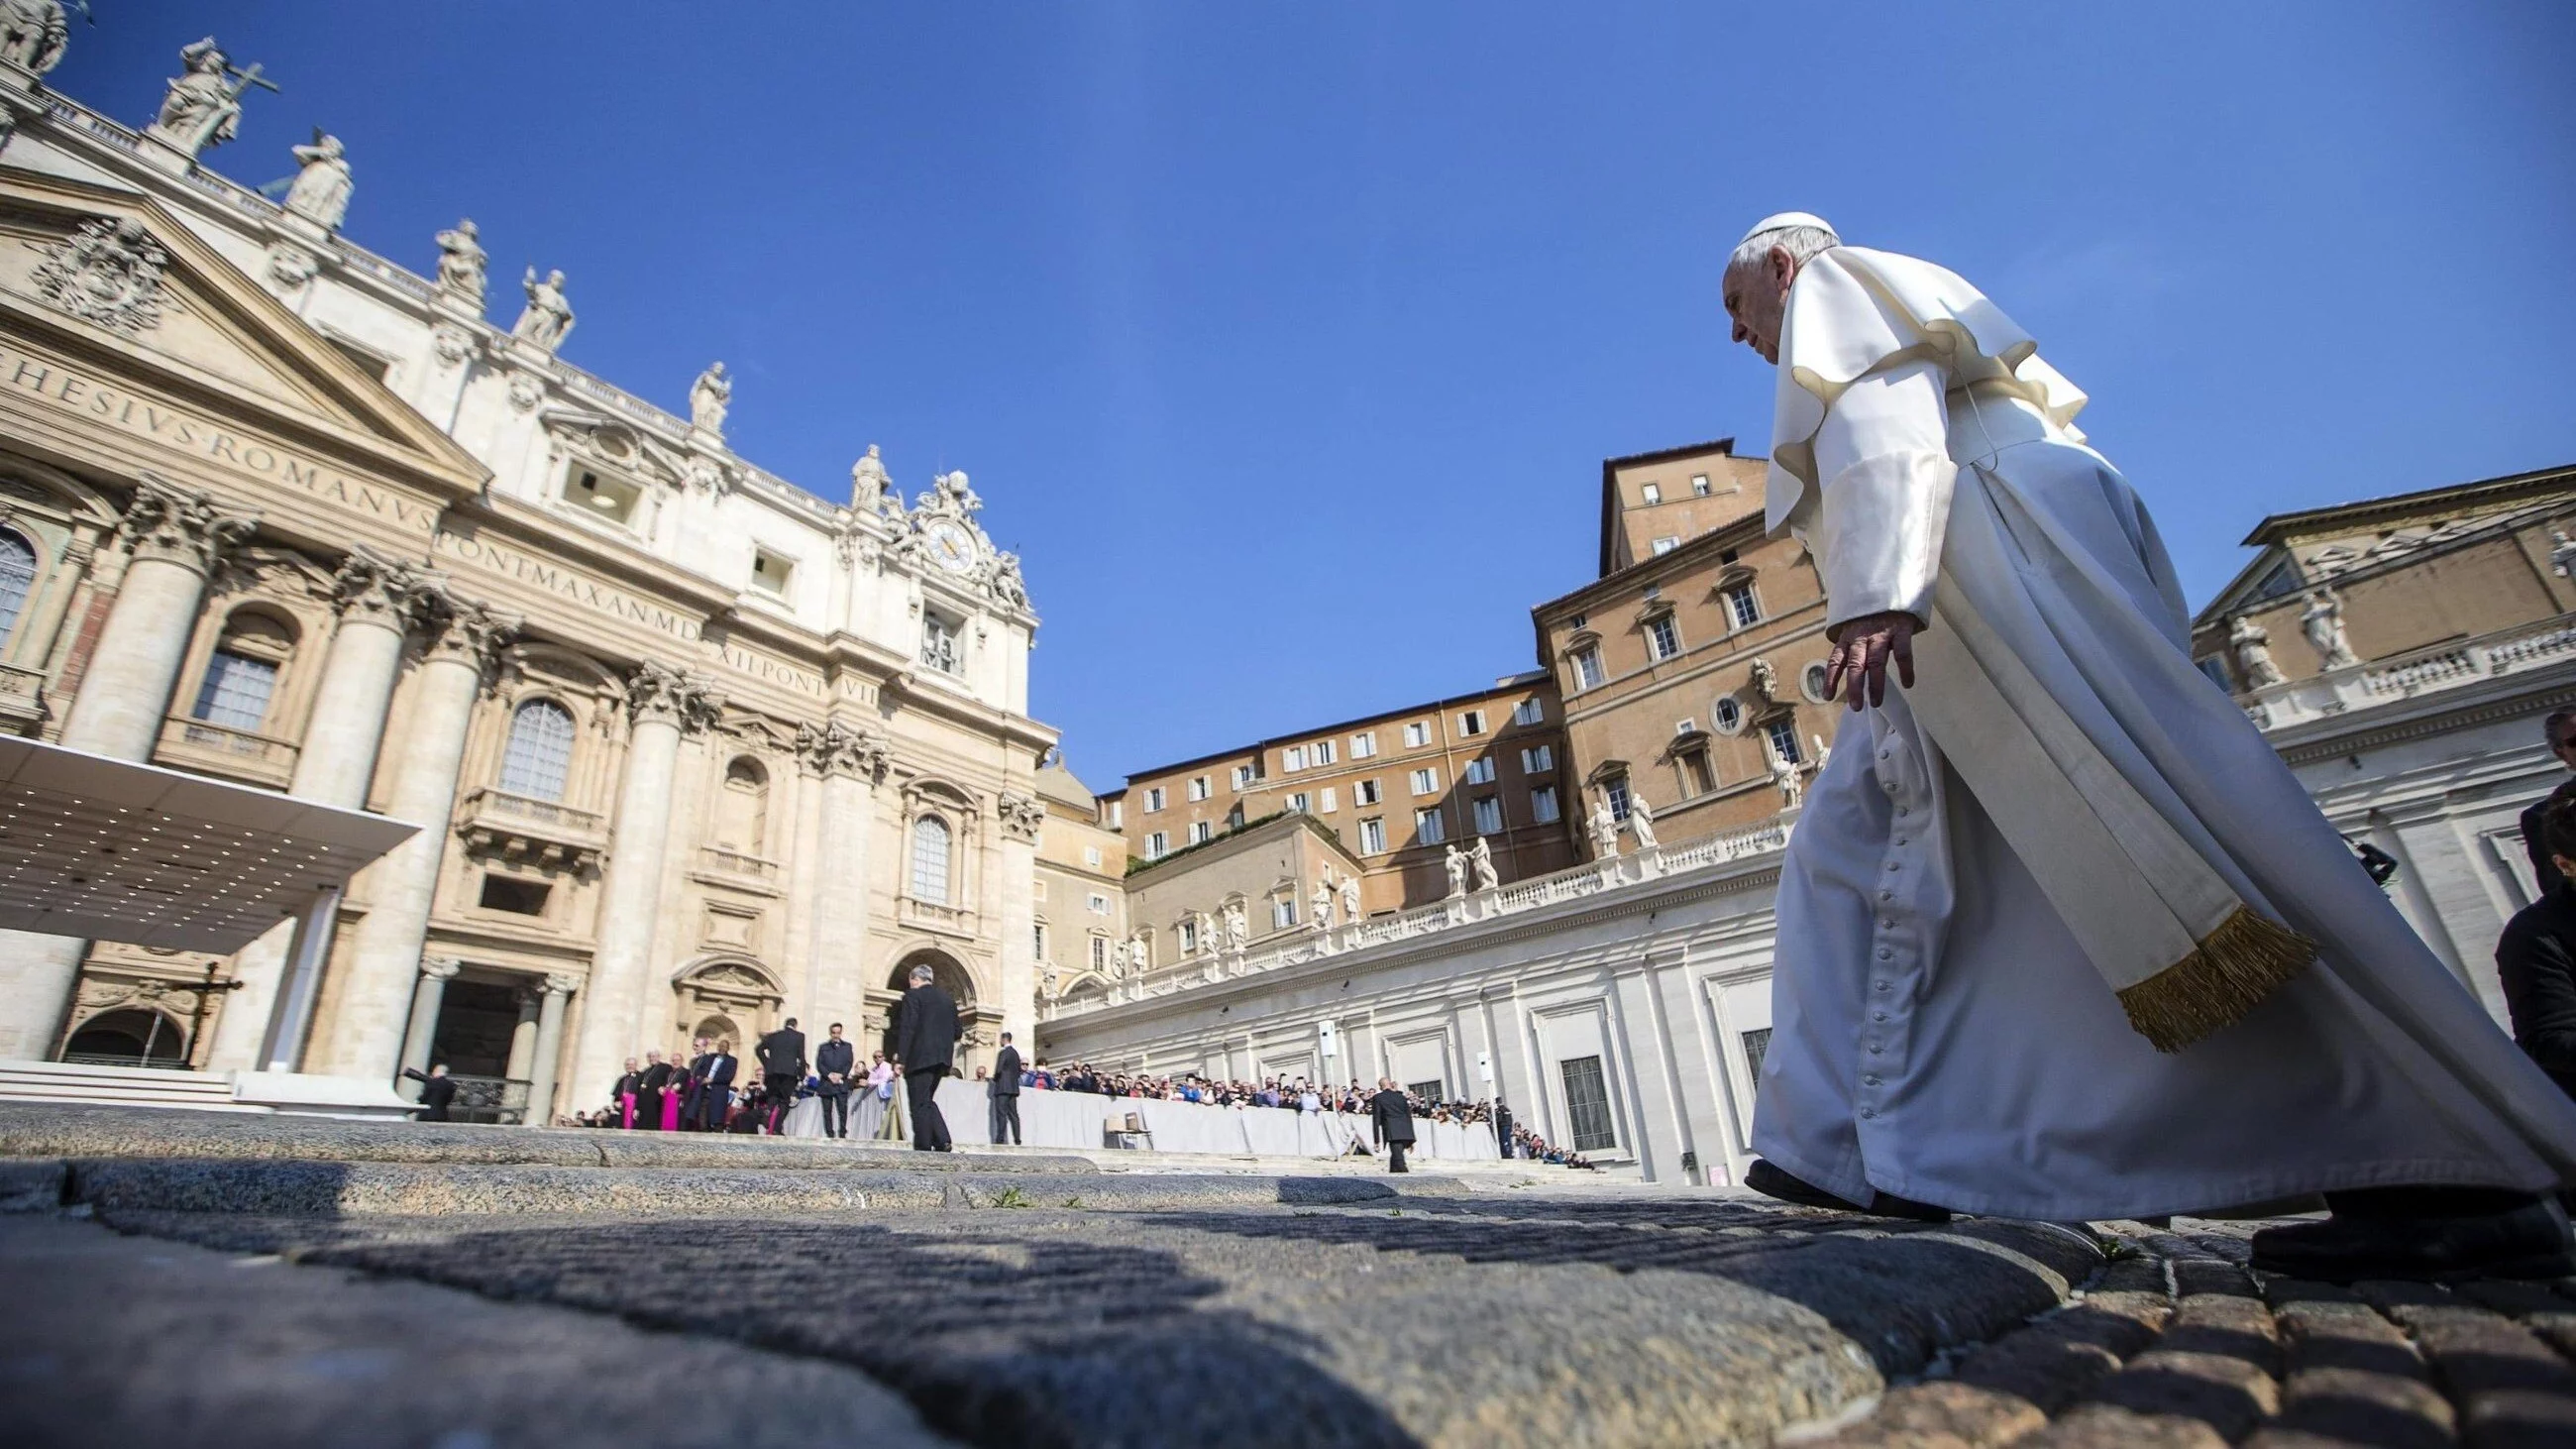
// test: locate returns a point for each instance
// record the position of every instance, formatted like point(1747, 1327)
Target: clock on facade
point(952, 546)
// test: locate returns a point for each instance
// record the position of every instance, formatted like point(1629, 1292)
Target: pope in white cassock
point(2060, 937)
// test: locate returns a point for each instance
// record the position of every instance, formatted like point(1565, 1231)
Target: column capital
point(380, 590)
point(834, 748)
point(659, 694)
point(440, 968)
point(179, 525)
point(467, 632)
point(562, 985)
point(1022, 815)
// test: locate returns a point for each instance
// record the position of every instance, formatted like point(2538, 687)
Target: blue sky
point(1285, 341)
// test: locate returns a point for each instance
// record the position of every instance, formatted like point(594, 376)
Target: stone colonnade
point(847, 763)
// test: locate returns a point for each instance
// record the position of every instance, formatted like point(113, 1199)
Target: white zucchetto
point(1779, 219)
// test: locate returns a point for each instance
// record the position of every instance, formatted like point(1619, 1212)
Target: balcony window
point(1617, 792)
point(1784, 740)
point(1663, 637)
point(538, 758)
point(939, 644)
point(236, 690)
point(930, 840)
point(17, 577)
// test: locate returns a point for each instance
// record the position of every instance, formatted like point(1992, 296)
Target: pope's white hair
point(1801, 243)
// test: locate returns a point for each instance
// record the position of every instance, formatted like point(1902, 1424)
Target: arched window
point(241, 675)
point(930, 860)
point(742, 811)
point(539, 756)
point(17, 576)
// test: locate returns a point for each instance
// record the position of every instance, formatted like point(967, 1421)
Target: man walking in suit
point(1502, 1127)
point(925, 1039)
point(782, 1070)
point(437, 1090)
point(1006, 1092)
point(717, 1098)
point(1394, 1118)
point(833, 1062)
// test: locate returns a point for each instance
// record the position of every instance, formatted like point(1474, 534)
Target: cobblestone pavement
point(1071, 1307)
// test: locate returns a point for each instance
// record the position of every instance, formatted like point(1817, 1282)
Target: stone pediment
point(124, 290)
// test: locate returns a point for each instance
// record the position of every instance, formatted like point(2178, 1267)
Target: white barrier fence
point(1083, 1119)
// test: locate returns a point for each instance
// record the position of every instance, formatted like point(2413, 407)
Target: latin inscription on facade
point(186, 432)
point(486, 557)
point(775, 671)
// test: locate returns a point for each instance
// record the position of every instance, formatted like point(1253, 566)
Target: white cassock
point(1937, 1031)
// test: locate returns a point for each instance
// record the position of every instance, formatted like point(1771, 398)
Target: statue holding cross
point(204, 103)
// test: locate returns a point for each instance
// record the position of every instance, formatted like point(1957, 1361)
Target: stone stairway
point(25, 1081)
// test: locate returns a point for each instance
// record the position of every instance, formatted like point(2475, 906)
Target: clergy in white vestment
point(2060, 937)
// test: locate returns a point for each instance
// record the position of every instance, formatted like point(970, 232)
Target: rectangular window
point(1372, 836)
point(1293, 758)
point(1099, 904)
point(1587, 1104)
point(1198, 787)
point(1153, 799)
point(1427, 827)
point(1201, 832)
point(1654, 494)
point(1329, 804)
point(1480, 770)
point(1364, 745)
point(1091, 856)
point(1538, 759)
point(235, 693)
point(1242, 777)
point(769, 572)
point(1038, 943)
point(1417, 734)
point(1489, 815)
point(1529, 712)
point(1299, 801)
point(1543, 804)
point(1430, 1091)
point(1157, 846)
point(518, 897)
point(1695, 780)
point(1664, 637)
point(1283, 913)
point(939, 644)
point(1425, 781)
point(1472, 722)
point(1699, 485)
point(1100, 953)
point(1587, 669)
point(1188, 931)
point(2216, 669)
point(1117, 814)
point(1743, 610)
point(1323, 752)
point(1784, 739)
point(1364, 793)
point(1577, 621)
point(1668, 543)
point(1617, 790)
point(609, 499)
point(1757, 1045)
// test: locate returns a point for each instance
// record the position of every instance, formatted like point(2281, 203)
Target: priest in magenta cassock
point(2060, 937)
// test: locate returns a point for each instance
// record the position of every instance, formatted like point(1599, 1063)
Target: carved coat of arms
point(109, 272)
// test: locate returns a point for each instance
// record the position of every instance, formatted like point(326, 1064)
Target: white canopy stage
point(110, 850)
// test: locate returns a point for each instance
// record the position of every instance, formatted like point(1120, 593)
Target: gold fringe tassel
point(2230, 973)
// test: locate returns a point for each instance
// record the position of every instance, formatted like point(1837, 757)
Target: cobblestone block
point(2511, 1390)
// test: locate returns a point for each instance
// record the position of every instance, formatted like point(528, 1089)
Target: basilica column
point(665, 704)
point(377, 599)
point(523, 1035)
point(1022, 817)
point(426, 998)
point(853, 760)
point(548, 1062)
point(366, 1038)
point(174, 537)
point(805, 871)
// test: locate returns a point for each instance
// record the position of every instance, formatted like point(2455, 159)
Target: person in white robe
point(2060, 937)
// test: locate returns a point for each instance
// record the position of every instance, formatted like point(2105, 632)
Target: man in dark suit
point(715, 1098)
point(833, 1063)
point(782, 1070)
point(1394, 1118)
point(691, 1082)
point(437, 1089)
point(1502, 1127)
point(648, 1100)
point(925, 1040)
point(2536, 960)
point(2560, 728)
point(1006, 1092)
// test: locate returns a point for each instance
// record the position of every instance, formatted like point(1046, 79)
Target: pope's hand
point(1861, 652)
